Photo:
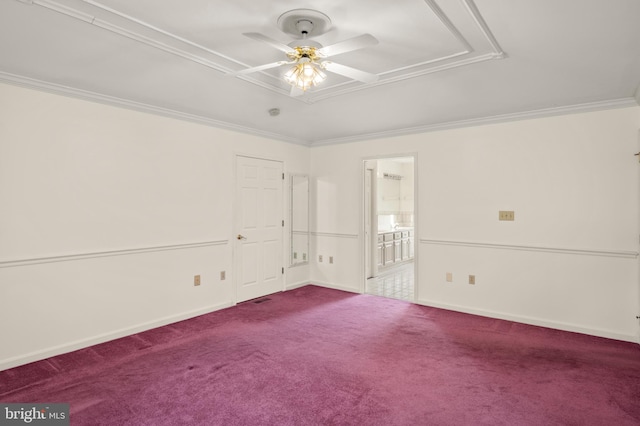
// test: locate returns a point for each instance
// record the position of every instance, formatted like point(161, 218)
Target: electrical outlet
point(472, 279)
point(196, 280)
point(304, 256)
point(295, 255)
point(319, 258)
point(449, 277)
point(508, 215)
point(223, 275)
point(330, 259)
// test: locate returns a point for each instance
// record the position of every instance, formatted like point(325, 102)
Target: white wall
point(568, 261)
point(152, 196)
point(107, 214)
point(335, 216)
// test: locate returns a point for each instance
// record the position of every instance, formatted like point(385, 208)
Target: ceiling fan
point(307, 57)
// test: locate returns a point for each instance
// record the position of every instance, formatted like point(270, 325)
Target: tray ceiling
point(440, 63)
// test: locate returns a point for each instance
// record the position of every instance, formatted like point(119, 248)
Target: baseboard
point(84, 343)
point(533, 321)
point(297, 285)
point(335, 286)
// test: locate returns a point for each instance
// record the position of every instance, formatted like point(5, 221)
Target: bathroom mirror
point(299, 220)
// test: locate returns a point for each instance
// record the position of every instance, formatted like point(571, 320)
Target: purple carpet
point(314, 356)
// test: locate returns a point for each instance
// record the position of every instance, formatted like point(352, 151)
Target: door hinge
point(283, 269)
point(283, 176)
point(283, 223)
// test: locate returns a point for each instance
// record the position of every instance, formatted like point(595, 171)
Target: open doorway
point(390, 231)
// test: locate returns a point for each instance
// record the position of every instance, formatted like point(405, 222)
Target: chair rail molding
point(119, 252)
point(626, 254)
point(333, 235)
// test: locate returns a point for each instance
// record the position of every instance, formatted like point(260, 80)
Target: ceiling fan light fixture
point(305, 75)
point(308, 56)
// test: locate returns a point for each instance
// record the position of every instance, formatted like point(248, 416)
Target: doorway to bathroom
point(389, 227)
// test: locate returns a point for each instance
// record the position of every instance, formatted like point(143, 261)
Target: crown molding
point(58, 89)
point(524, 115)
point(86, 95)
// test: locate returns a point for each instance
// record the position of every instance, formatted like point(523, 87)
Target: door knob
point(241, 237)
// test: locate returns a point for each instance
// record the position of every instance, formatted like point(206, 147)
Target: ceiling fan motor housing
point(302, 23)
point(304, 26)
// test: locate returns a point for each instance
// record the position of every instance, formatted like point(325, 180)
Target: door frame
point(416, 221)
point(370, 241)
point(235, 224)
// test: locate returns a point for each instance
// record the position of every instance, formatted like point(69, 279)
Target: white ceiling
point(441, 63)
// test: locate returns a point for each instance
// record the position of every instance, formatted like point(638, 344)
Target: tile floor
point(395, 282)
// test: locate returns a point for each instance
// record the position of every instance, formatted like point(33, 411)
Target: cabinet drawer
point(388, 237)
point(405, 234)
point(397, 235)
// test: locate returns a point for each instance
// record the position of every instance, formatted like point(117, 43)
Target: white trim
point(444, 20)
point(557, 325)
point(120, 252)
point(482, 24)
point(86, 95)
point(333, 235)
point(125, 32)
point(105, 337)
point(297, 285)
point(626, 254)
point(157, 43)
point(335, 286)
point(481, 121)
point(65, 10)
point(352, 86)
point(332, 93)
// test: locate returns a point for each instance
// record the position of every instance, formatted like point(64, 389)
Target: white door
point(259, 226)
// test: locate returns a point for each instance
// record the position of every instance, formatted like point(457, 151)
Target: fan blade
point(262, 67)
point(353, 73)
point(365, 40)
point(273, 43)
